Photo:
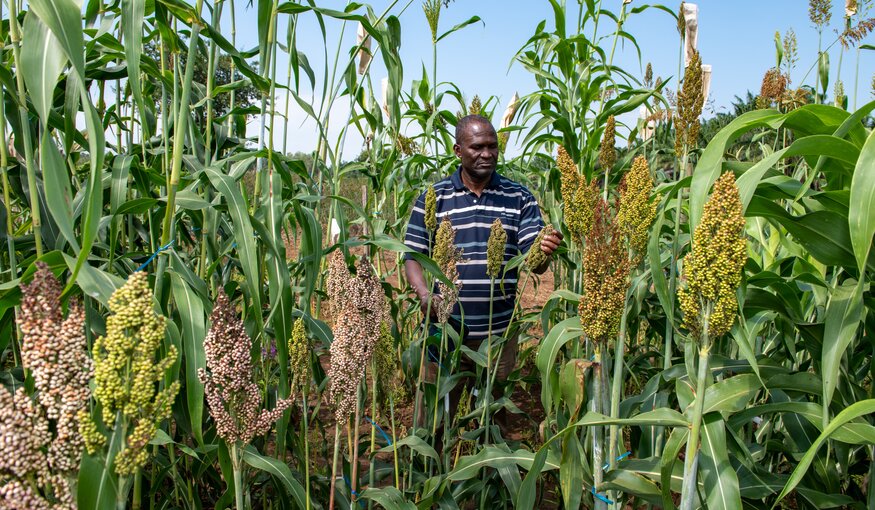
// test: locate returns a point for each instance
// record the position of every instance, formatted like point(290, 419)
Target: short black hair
point(468, 120)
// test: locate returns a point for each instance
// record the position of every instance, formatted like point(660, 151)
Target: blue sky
point(735, 37)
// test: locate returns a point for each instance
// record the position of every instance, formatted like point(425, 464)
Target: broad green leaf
point(731, 394)
point(416, 444)
point(280, 471)
point(559, 335)
point(57, 189)
point(243, 232)
point(843, 315)
point(719, 478)
point(389, 498)
point(133, 12)
point(710, 164)
point(673, 446)
point(852, 412)
point(192, 315)
point(861, 215)
point(571, 471)
point(493, 457)
point(659, 417)
point(42, 61)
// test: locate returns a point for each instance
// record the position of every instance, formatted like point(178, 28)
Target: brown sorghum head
point(713, 267)
point(56, 353)
point(648, 75)
point(233, 396)
point(356, 331)
point(772, 89)
point(605, 277)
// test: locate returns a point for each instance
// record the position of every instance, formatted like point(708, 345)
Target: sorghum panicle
point(713, 267)
point(578, 197)
point(682, 21)
point(607, 148)
point(536, 256)
point(476, 106)
point(431, 222)
point(25, 438)
point(690, 102)
point(819, 12)
point(233, 396)
point(495, 247)
point(127, 374)
point(386, 372)
point(648, 75)
point(772, 89)
point(362, 311)
point(446, 255)
point(336, 281)
point(605, 277)
point(637, 211)
point(299, 357)
point(56, 353)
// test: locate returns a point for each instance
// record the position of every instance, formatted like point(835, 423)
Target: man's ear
point(457, 150)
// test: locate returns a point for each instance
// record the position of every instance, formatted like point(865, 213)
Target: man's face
point(477, 147)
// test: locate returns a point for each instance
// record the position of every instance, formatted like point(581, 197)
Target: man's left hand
point(551, 242)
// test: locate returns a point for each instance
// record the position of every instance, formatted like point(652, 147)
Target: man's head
point(477, 146)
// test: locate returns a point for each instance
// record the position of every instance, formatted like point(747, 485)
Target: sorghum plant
point(232, 394)
point(127, 375)
point(713, 272)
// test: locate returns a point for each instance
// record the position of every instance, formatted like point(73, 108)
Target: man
point(473, 197)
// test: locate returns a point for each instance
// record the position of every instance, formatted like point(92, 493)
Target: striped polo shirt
point(472, 217)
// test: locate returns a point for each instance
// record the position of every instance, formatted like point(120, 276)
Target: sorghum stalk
point(598, 453)
point(709, 302)
point(180, 127)
point(688, 490)
point(334, 465)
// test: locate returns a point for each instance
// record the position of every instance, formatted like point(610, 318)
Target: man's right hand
point(435, 304)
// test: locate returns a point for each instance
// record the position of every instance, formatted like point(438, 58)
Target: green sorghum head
point(607, 148)
point(431, 222)
point(713, 267)
point(299, 356)
point(128, 371)
point(690, 101)
point(636, 212)
point(536, 256)
point(495, 247)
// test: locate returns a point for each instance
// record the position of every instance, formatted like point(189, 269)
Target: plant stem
point(394, 442)
point(487, 398)
point(617, 385)
point(304, 429)
point(238, 475)
point(334, 465)
point(598, 452)
point(688, 491)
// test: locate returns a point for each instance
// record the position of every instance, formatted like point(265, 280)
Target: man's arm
point(417, 280)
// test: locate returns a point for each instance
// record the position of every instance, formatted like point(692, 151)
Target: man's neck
point(473, 184)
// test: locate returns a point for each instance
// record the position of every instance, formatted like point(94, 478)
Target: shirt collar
point(456, 179)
